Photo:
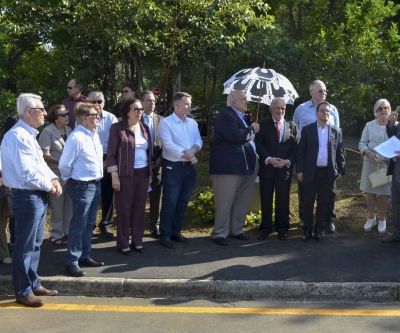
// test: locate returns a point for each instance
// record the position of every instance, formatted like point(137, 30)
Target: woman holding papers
point(373, 134)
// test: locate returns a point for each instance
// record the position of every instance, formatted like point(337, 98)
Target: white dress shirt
point(82, 158)
point(22, 160)
point(103, 128)
point(322, 159)
point(177, 135)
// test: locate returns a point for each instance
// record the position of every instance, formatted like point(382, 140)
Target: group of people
point(87, 155)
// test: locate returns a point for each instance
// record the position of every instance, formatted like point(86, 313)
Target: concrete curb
point(218, 289)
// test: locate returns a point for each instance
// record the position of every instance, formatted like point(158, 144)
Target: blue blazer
point(231, 151)
point(307, 152)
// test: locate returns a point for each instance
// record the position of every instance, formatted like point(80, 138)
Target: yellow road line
point(207, 310)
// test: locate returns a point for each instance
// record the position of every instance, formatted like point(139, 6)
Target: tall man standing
point(233, 167)
point(81, 166)
point(320, 162)
point(153, 120)
point(107, 191)
point(181, 140)
point(304, 115)
point(276, 147)
point(30, 180)
point(75, 95)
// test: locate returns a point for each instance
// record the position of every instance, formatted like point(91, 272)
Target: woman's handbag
point(378, 177)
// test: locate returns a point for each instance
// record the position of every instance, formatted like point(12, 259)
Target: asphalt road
point(72, 314)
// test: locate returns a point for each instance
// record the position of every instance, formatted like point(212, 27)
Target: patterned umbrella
point(261, 85)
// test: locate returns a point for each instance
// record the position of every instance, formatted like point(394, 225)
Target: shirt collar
point(177, 119)
point(31, 130)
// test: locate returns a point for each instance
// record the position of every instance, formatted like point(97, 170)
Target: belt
point(24, 190)
point(321, 168)
point(94, 181)
point(180, 163)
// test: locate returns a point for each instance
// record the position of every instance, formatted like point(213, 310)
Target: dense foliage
point(353, 46)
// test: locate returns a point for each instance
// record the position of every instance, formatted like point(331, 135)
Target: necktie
point(278, 131)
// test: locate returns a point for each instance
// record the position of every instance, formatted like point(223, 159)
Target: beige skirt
point(365, 186)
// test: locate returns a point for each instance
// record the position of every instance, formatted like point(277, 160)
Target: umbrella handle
point(258, 106)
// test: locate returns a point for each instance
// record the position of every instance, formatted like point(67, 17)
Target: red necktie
point(278, 131)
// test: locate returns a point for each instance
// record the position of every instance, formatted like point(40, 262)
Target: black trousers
point(330, 215)
point(107, 198)
point(320, 188)
point(268, 184)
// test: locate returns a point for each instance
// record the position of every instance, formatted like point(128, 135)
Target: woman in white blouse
point(374, 134)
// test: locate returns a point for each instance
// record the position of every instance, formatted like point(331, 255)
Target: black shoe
point(105, 230)
point(318, 235)
point(221, 241)
point(179, 238)
point(242, 236)
point(167, 243)
point(155, 234)
point(125, 253)
point(89, 262)
point(307, 235)
point(282, 236)
point(263, 234)
point(330, 227)
point(139, 249)
point(74, 270)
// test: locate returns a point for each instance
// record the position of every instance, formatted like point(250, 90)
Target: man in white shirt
point(181, 140)
point(107, 191)
point(30, 180)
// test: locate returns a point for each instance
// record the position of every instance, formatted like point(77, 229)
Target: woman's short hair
point(52, 115)
point(378, 104)
point(125, 106)
point(81, 110)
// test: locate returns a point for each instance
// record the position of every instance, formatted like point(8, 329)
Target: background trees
point(353, 46)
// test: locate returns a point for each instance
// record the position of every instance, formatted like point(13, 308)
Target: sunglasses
point(99, 101)
point(126, 91)
point(137, 110)
point(324, 111)
point(321, 91)
point(69, 88)
point(64, 114)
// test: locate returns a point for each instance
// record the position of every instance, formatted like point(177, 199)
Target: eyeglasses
point(126, 91)
point(69, 88)
point(99, 101)
point(92, 114)
point(324, 111)
point(321, 91)
point(64, 114)
point(278, 108)
point(39, 110)
point(137, 110)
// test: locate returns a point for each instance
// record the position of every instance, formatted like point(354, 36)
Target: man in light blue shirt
point(81, 166)
point(30, 180)
point(107, 191)
point(304, 115)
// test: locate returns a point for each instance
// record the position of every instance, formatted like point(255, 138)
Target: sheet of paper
point(388, 147)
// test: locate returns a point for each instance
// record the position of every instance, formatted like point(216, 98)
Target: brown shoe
point(30, 300)
point(389, 239)
point(42, 291)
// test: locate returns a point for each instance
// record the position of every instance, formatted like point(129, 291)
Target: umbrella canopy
point(271, 83)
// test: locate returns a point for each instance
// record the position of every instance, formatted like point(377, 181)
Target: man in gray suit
point(153, 120)
point(393, 129)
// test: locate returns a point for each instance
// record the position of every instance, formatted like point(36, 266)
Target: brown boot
point(42, 291)
point(30, 300)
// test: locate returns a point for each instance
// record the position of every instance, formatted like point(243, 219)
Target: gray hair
point(378, 104)
point(312, 85)
point(231, 98)
point(25, 101)
point(276, 99)
point(96, 93)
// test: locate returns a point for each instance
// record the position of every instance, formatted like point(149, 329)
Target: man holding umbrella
point(233, 167)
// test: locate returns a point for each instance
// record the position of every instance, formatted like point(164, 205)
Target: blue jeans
point(178, 182)
point(85, 198)
point(29, 209)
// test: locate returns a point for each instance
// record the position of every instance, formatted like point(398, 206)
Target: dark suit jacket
point(231, 151)
point(157, 148)
point(307, 152)
point(121, 148)
point(268, 146)
point(394, 130)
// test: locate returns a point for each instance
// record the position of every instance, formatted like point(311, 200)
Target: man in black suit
point(233, 168)
point(276, 147)
point(320, 161)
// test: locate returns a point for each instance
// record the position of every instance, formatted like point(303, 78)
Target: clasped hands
point(188, 154)
point(278, 162)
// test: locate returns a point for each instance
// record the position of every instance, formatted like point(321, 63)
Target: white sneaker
point(382, 227)
point(369, 224)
